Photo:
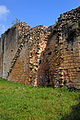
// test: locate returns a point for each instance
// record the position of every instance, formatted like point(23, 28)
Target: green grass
point(21, 102)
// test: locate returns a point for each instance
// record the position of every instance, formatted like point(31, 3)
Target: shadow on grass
point(75, 114)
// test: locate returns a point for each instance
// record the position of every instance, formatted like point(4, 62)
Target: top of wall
point(70, 16)
point(73, 15)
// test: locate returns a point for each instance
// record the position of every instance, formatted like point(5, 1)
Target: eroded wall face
point(51, 66)
point(60, 62)
point(47, 64)
point(46, 56)
point(71, 61)
point(38, 43)
point(10, 45)
point(29, 52)
point(20, 71)
point(69, 27)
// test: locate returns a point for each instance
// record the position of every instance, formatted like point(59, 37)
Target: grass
point(21, 102)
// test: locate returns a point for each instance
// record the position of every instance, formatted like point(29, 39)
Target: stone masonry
point(43, 56)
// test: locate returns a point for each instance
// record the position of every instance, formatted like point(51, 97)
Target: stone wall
point(27, 64)
point(46, 56)
point(69, 41)
point(10, 43)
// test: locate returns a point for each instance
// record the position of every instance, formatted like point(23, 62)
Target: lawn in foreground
point(21, 102)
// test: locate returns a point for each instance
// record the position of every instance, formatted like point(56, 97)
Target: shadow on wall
point(75, 114)
point(45, 75)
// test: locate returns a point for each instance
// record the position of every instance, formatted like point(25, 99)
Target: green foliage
point(56, 21)
point(32, 43)
point(75, 26)
point(21, 102)
point(16, 21)
point(32, 65)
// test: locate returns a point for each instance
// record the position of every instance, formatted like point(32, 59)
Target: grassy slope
point(21, 102)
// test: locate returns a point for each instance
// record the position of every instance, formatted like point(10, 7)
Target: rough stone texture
point(10, 48)
point(47, 56)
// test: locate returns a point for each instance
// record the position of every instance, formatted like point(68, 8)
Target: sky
point(33, 12)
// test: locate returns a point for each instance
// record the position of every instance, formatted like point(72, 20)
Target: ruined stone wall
point(46, 56)
point(69, 41)
point(9, 50)
point(60, 61)
point(20, 70)
point(37, 45)
point(11, 42)
point(27, 64)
